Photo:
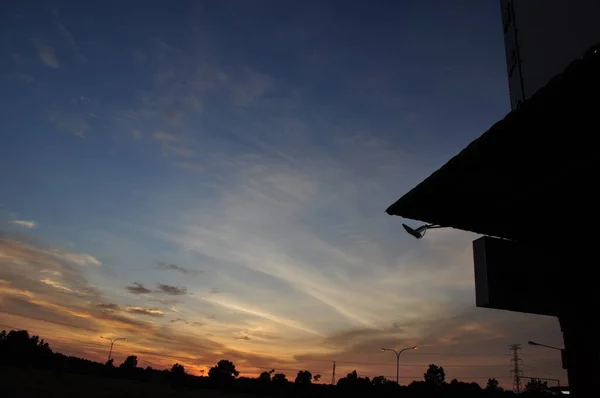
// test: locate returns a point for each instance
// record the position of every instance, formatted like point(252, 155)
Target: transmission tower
point(333, 376)
point(515, 361)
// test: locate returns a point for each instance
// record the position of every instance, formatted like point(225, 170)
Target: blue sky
point(217, 172)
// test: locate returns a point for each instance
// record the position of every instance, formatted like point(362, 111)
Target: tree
point(177, 375)
point(493, 385)
point(352, 376)
point(110, 363)
point(316, 378)
point(224, 373)
point(435, 375)
point(304, 377)
point(130, 363)
point(379, 381)
point(265, 377)
point(178, 369)
point(279, 380)
point(19, 348)
point(536, 385)
point(353, 382)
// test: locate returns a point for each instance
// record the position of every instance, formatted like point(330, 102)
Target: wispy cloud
point(56, 285)
point(171, 290)
point(25, 223)
point(46, 54)
point(280, 320)
point(137, 288)
point(18, 59)
point(76, 258)
point(189, 166)
point(20, 77)
point(108, 306)
point(178, 150)
point(155, 312)
point(178, 268)
point(173, 145)
point(74, 123)
point(181, 320)
point(67, 36)
point(164, 301)
point(164, 137)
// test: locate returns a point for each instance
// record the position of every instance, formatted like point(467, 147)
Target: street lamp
point(398, 359)
point(544, 345)
point(563, 352)
point(112, 342)
point(420, 231)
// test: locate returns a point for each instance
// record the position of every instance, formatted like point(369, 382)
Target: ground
point(30, 383)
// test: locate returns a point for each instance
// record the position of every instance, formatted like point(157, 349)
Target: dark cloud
point(172, 290)
point(357, 335)
point(212, 317)
point(164, 301)
point(178, 268)
point(44, 312)
point(243, 337)
point(194, 323)
point(154, 312)
point(108, 306)
point(214, 290)
point(124, 322)
point(138, 288)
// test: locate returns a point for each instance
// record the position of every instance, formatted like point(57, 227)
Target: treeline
point(18, 348)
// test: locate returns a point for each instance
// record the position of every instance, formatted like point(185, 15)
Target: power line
point(404, 364)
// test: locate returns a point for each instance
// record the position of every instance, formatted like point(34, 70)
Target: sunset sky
point(209, 180)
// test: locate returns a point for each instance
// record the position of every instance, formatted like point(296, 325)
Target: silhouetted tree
point(352, 375)
point(17, 347)
point(303, 377)
point(493, 385)
point(435, 375)
point(317, 378)
point(177, 375)
point(353, 382)
point(460, 389)
point(110, 363)
point(130, 363)
point(265, 377)
point(379, 380)
point(224, 373)
point(536, 385)
point(279, 380)
point(177, 369)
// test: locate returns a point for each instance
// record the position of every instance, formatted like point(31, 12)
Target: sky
point(209, 180)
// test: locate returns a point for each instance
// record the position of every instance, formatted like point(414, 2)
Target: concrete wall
point(542, 37)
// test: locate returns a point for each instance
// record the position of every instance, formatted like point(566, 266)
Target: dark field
point(23, 382)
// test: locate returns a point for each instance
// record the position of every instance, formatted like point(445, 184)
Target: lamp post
point(112, 342)
point(398, 359)
point(563, 352)
point(543, 345)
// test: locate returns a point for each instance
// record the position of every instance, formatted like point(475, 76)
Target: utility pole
point(333, 376)
point(516, 367)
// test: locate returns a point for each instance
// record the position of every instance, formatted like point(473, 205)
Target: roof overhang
point(531, 176)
